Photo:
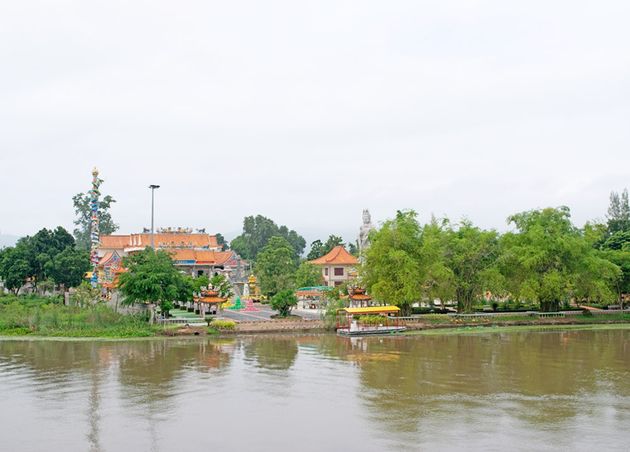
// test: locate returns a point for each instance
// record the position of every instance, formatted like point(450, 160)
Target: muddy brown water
point(537, 390)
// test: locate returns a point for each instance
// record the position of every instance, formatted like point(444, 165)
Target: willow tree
point(471, 254)
point(548, 260)
point(393, 269)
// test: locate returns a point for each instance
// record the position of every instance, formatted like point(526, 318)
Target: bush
point(223, 325)
point(371, 319)
point(329, 316)
point(283, 302)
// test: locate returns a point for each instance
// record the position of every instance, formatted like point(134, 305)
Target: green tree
point(283, 302)
point(222, 285)
point(471, 255)
point(42, 248)
point(616, 249)
point(257, 232)
point(621, 258)
point(83, 211)
point(14, 267)
point(32, 256)
point(618, 213)
point(221, 241)
point(198, 282)
point(437, 282)
point(47, 285)
point(620, 240)
point(393, 269)
point(353, 248)
point(276, 266)
point(68, 268)
point(550, 261)
point(152, 278)
point(85, 295)
point(319, 249)
point(308, 275)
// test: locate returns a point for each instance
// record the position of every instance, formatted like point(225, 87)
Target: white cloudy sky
point(310, 111)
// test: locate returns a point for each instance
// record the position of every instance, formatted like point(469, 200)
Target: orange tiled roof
point(210, 300)
point(337, 256)
point(115, 241)
point(360, 297)
point(169, 240)
point(105, 258)
point(202, 256)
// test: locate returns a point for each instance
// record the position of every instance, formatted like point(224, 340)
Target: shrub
point(223, 325)
point(371, 319)
point(283, 302)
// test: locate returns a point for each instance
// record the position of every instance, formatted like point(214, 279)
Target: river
point(534, 390)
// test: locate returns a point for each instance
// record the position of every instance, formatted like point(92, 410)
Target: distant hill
point(8, 240)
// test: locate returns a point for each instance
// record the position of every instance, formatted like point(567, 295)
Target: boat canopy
point(371, 310)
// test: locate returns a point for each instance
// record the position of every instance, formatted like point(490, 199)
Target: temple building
point(163, 241)
point(357, 298)
point(196, 254)
point(338, 266)
point(208, 302)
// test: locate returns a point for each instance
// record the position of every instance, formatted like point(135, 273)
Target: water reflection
point(152, 370)
point(147, 374)
point(272, 352)
point(544, 380)
point(392, 393)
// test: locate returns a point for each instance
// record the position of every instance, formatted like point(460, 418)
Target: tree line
point(47, 260)
point(545, 259)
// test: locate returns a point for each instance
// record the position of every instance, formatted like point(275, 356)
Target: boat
point(368, 321)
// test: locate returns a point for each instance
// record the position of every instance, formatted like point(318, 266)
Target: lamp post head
point(153, 187)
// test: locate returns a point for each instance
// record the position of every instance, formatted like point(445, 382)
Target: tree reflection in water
point(271, 352)
point(148, 372)
point(410, 384)
point(412, 392)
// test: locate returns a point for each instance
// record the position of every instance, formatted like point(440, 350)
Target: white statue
point(364, 232)
point(245, 290)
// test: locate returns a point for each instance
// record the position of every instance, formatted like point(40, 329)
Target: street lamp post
point(152, 187)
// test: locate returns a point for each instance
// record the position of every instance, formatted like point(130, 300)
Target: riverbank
point(48, 318)
point(517, 328)
point(33, 318)
point(307, 327)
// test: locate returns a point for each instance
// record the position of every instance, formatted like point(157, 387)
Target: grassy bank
point(517, 328)
point(47, 317)
point(442, 319)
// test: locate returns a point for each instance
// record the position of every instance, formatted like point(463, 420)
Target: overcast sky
point(310, 111)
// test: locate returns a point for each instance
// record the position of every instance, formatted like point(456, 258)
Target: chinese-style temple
point(358, 298)
point(208, 302)
point(196, 254)
point(338, 266)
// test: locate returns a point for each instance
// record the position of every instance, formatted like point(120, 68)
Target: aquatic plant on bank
point(47, 317)
point(222, 325)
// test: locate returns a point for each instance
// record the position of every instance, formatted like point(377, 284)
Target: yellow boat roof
point(371, 310)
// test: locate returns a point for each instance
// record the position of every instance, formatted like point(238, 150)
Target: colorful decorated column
point(94, 229)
